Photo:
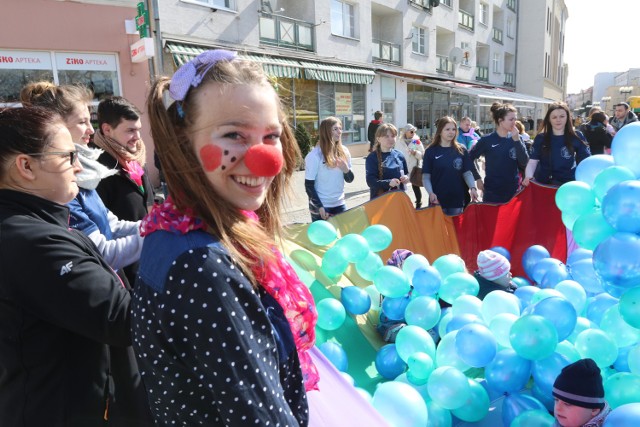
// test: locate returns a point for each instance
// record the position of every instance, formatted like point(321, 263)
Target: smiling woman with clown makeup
point(213, 291)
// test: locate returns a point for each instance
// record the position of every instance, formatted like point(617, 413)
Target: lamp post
point(604, 100)
point(624, 91)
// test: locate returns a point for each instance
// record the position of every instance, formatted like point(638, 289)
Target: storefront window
point(97, 72)
point(345, 101)
point(11, 81)
point(419, 99)
point(307, 105)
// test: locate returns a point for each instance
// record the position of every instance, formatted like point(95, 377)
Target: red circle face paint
point(211, 156)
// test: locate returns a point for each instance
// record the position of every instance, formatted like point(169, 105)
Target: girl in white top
point(409, 144)
point(327, 167)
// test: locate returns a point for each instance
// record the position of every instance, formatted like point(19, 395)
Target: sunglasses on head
point(72, 155)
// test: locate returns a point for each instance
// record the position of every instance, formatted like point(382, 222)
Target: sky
point(601, 36)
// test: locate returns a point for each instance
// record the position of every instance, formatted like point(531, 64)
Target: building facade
point(411, 60)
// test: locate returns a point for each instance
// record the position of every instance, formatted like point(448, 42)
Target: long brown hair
point(188, 185)
point(437, 138)
point(569, 132)
point(331, 150)
point(382, 130)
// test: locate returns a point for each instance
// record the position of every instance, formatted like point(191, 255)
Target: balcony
point(385, 52)
point(509, 79)
point(286, 32)
point(497, 35)
point(511, 4)
point(444, 65)
point(465, 20)
point(482, 73)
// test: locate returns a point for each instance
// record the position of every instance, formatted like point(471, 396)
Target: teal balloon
point(588, 169)
point(354, 247)
point(331, 314)
point(633, 359)
point(533, 337)
point(544, 294)
point(413, 339)
point(467, 304)
point(447, 355)
point(521, 281)
point(500, 327)
point(582, 324)
point(449, 264)
point(448, 387)
point(336, 355)
point(625, 147)
point(375, 296)
point(574, 293)
point(566, 349)
point(559, 312)
point(516, 404)
point(400, 404)
point(423, 311)
point(476, 407)
point(413, 263)
point(422, 389)
point(334, 262)
point(426, 280)
point(620, 331)
point(378, 237)
point(599, 305)
point(507, 372)
point(445, 319)
point(321, 233)
point(457, 284)
point(617, 263)
point(621, 206)
point(438, 416)
point(533, 418)
point(368, 267)
point(391, 281)
point(597, 345)
point(476, 345)
point(420, 367)
point(630, 307)
point(590, 229)
point(569, 219)
point(355, 300)
point(575, 197)
point(622, 388)
point(499, 302)
point(624, 416)
point(608, 178)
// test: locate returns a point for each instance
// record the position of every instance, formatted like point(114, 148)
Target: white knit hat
point(492, 265)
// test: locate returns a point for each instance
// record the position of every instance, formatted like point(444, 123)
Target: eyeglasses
point(72, 155)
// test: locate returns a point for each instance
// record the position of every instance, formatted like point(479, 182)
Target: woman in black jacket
point(596, 133)
point(61, 305)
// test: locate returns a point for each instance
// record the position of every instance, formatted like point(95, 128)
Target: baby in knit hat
point(494, 273)
point(579, 396)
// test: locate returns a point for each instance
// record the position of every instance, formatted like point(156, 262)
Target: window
point(510, 32)
point(418, 42)
point(484, 14)
point(342, 19)
point(511, 4)
point(225, 4)
point(496, 63)
point(422, 3)
point(446, 2)
point(466, 53)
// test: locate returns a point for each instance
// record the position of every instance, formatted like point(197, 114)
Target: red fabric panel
point(530, 218)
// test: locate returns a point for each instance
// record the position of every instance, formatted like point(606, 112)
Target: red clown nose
point(264, 160)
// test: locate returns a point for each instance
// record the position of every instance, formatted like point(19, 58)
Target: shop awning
point(496, 94)
point(337, 73)
point(273, 66)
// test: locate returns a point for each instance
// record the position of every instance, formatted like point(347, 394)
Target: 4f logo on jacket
point(66, 268)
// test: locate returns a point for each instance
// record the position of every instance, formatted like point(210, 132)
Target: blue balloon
point(625, 415)
point(599, 305)
point(517, 403)
point(558, 311)
point(622, 362)
point(426, 281)
point(502, 251)
point(589, 168)
point(554, 275)
point(579, 254)
point(546, 399)
point(394, 308)
point(476, 345)
point(626, 146)
point(336, 355)
point(531, 256)
point(543, 266)
point(583, 272)
point(388, 362)
point(525, 294)
point(507, 372)
point(545, 371)
point(617, 263)
point(621, 206)
point(355, 300)
point(457, 322)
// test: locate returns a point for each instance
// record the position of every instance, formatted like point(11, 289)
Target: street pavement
point(356, 193)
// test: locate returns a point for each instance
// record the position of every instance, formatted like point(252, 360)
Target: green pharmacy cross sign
point(142, 21)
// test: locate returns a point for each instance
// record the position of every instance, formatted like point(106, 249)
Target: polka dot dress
point(212, 350)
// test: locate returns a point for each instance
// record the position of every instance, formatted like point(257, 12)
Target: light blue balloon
point(575, 197)
point(617, 263)
point(438, 416)
point(499, 302)
point(622, 362)
point(400, 404)
point(378, 237)
point(321, 232)
point(449, 264)
point(368, 267)
point(622, 333)
point(582, 324)
point(574, 293)
point(582, 271)
point(554, 275)
point(558, 311)
point(624, 416)
point(545, 371)
point(626, 146)
point(568, 351)
point(476, 345)
point(500, 327)
point(423, 311)
point(544, 294)
point(448, 387)
point(507, 372)
point(515, 404)
point(597, 345)
point(533, 337)
point(608, 178)
point(531, 256)
point(598, 305)
point(579, 254)
point(412, 339)
point(621, 206)
point(391, 282)
point(467, 304)
point(589, 168)
point(447, 355)
point(457, 284)
point(354, 247)
point(525, 294)
point(542, 267)
point(426, 280)
point(355, 300)
point(336, 355)
point(413, 263)
point(456, 323)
